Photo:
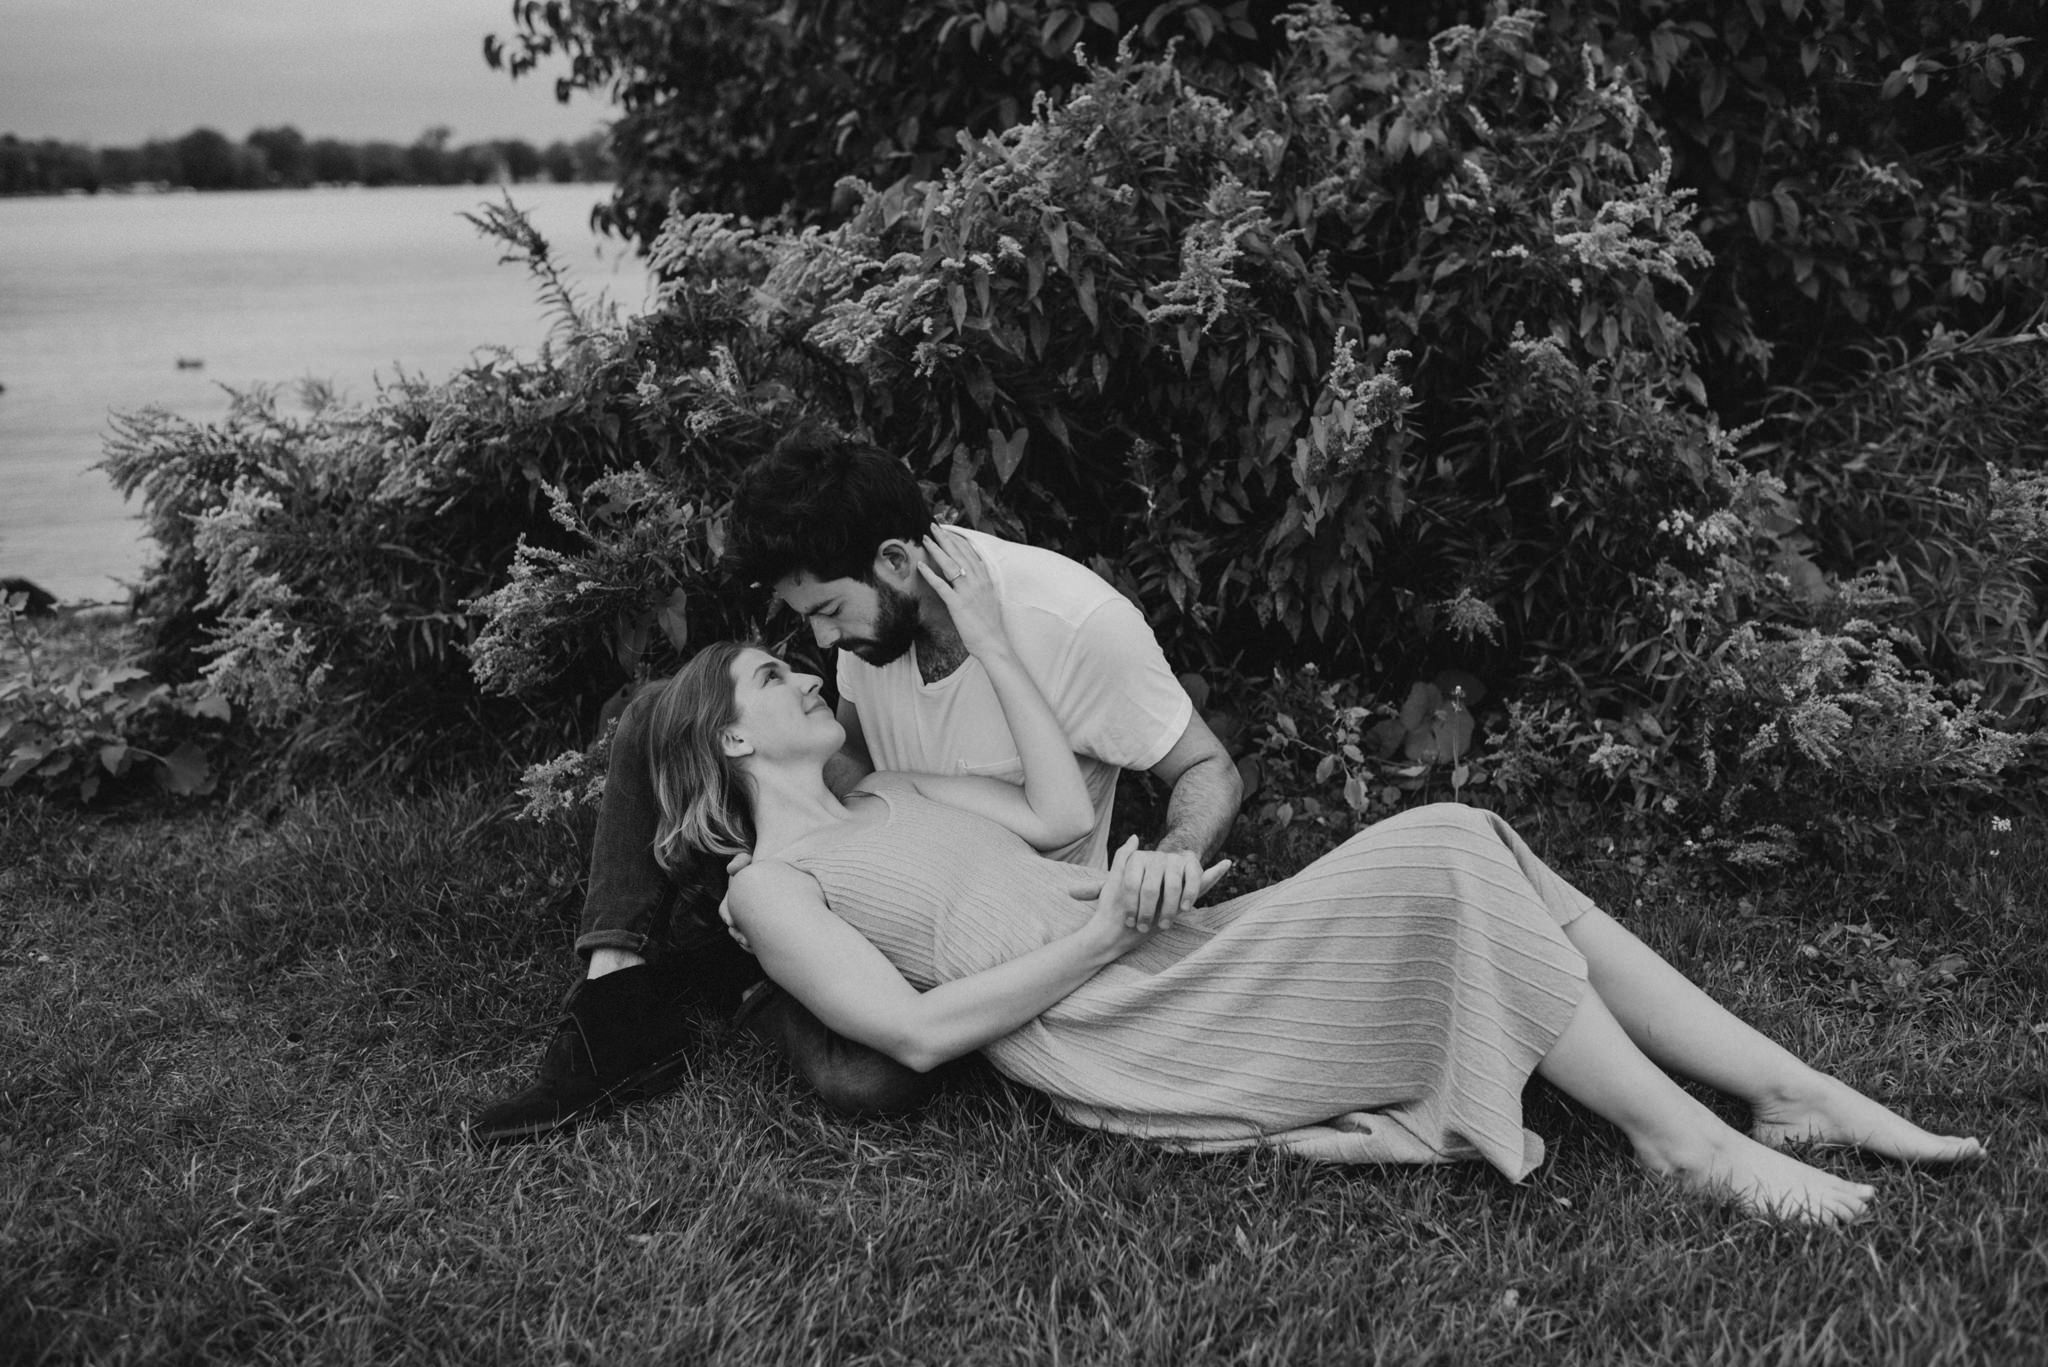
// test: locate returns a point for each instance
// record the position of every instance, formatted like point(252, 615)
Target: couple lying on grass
point(1387, 1003)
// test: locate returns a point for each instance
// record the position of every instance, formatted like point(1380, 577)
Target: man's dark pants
point(672, 920)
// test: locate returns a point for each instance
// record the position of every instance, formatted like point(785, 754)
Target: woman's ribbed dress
point(1387, 1003)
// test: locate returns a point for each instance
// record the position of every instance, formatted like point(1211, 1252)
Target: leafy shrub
point(1858, 170)
point(1861, 171)
point(761, 108)
point(76, 729)
point(1324, 751)
point(1931, 473)
point(1150, 307)
point(318, 568)
point(1785, 722)
point(1376, 361)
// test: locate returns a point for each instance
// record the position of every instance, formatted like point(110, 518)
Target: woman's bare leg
point(1596, 1064)
point(1685, 1030)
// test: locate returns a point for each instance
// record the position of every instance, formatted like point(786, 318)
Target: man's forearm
point(1202, 806)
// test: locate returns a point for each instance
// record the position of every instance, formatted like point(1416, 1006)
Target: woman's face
point(781, 712)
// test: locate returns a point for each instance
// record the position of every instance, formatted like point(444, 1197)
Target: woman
point(1388, 1002)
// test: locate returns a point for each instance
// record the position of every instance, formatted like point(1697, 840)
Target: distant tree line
point(283, 157)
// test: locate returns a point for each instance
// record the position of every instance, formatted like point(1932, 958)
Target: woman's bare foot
point(1762, 1180)
point(1826, 1111)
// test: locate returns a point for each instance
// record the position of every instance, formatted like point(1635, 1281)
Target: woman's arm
point(854, 989)
point(1053, 807)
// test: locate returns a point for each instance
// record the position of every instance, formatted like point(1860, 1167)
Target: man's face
point(876, 622)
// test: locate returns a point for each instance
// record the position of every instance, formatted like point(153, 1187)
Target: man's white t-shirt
point(1087, 648)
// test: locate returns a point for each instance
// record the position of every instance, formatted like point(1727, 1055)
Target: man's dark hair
point(822, 503)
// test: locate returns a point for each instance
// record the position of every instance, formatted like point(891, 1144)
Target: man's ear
point(896, 562)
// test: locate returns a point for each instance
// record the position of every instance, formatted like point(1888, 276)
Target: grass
point(234, 1052)
point(233, 1055)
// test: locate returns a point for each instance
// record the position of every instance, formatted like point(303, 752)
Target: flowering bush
point(1930, 475)
point(1374, 358)
point(1154, 306)
point(760, 108)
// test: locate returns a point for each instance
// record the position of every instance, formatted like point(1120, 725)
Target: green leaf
point(1396, 141)
point(1713, 90)
point(1007, 452)
point(106, 680)
point(1422, 702)
point(25, 758)
point(1452, 735)
point(674, 619)
point(1763, 220)
point(114, 758)
point(629, 638)
point(1420, 749)
point(186, 771)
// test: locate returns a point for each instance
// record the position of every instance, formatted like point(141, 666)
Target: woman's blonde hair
point(706, 802)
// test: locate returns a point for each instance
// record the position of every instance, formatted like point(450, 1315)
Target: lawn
point(235, 1048)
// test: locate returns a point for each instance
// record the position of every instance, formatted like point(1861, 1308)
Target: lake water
point(102, 296)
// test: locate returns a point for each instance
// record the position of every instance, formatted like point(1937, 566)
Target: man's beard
point(896, 629)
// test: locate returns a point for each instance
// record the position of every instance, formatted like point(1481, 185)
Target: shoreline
point(129, 189)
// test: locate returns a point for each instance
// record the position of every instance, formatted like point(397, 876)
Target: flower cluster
point(1209, 253)
point(571, 782)
point(263, 660)
point(1646, 235)
point(1467, 617)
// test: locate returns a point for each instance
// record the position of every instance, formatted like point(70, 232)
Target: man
point(836, 528)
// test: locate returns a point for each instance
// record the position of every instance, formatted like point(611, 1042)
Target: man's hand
point(1162, 885)
point(732, 869)
point(1157, 887)
point(1118, 896)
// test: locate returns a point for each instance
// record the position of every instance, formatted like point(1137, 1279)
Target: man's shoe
point(623, 1040)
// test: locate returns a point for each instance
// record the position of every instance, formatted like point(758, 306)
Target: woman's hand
point(1117, 924)
point(956, 572)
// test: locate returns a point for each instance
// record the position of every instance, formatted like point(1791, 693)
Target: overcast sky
point(119, 72)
